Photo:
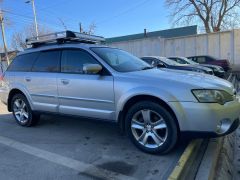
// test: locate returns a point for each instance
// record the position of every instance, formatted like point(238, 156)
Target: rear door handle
point(65, 81)
point(28, 79)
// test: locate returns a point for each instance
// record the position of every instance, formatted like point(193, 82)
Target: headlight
point(212, 96)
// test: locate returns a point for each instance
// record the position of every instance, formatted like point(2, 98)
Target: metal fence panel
point(224, 45)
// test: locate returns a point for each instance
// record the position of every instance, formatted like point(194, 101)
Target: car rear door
point(42, 81)
point(81, 94)
point(17, 71)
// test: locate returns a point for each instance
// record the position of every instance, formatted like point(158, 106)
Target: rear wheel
point(151, 127)
point(22, 111)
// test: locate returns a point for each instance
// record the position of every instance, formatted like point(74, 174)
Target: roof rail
point(62, 37)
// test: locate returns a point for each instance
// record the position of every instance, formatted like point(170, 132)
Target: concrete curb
point(224, 168)
point(186, 161)
point(217, 163)
point(215, 158)
point(208, 166)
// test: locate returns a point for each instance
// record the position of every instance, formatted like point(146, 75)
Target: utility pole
point(3, 37)
point(35, 16)
point(80, 27)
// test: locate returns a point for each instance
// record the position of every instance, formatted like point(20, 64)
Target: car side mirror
point(161, 65)
point(92, 68)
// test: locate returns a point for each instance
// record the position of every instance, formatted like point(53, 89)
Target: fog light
point(223, 126)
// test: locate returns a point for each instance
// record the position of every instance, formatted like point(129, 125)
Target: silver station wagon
point(73, 74)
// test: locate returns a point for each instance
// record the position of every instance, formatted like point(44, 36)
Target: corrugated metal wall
point(224, 45)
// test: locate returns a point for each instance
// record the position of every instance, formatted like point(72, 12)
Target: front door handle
point(65, 81)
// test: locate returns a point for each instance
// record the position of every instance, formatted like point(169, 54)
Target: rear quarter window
point(23, 63)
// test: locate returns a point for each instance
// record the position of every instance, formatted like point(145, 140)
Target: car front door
point(82, 94)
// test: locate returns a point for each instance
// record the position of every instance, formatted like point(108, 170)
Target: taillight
point(1, 78)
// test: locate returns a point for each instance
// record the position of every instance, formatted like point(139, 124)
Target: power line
point(53, 14)
point(124, 12)
point(29, 18)
point(27, 21)
point(54, 5)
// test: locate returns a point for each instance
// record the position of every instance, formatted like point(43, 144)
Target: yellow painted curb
point(186, 160)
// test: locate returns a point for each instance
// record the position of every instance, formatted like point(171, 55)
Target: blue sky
point(112, 17)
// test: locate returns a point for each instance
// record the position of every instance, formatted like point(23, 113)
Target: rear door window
point(23, 62)
point(48, 61)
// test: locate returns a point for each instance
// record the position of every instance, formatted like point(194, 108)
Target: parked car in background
point(224, 63)
point(217, 70)
point(163, 62)
point(72, 75)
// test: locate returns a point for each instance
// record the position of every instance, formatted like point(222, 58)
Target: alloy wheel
point(20, 111)
point(149, 128)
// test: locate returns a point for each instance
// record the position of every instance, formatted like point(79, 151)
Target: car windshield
point(188, 61)
point(169, 61)
point(120, 60)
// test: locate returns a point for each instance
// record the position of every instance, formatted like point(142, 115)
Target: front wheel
point(22, 111)
point(151, 127)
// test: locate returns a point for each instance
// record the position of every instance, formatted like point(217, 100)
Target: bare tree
point(18, 41)
point(63, 23)
point(90, 30)
point(215, 15)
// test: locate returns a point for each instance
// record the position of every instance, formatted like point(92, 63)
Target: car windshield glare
point(189, 61)
point(120, 60)
point(169, 62)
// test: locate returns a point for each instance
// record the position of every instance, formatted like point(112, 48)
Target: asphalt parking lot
point(68, 148)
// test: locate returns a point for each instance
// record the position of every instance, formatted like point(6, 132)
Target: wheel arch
point(135, 99)
point(12, 93)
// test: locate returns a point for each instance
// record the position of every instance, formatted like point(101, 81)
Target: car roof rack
point(63, 37)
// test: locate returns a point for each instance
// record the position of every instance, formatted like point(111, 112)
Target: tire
point(151, 127)
point(22, 111)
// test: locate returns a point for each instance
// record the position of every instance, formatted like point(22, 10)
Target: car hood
point(184, 78)
point(212, 66)
point(194, 66)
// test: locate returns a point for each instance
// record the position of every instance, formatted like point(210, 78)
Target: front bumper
point(211, 119)
point(205, 134)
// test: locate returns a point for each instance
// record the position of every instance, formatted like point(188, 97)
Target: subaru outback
point(73, 74)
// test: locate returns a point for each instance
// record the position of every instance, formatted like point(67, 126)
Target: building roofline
point(167, 33)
